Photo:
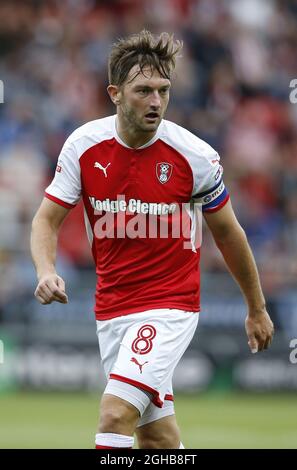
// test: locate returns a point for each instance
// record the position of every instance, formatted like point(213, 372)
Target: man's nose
point(155, 100)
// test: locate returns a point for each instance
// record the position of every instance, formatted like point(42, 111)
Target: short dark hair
point(157, 52)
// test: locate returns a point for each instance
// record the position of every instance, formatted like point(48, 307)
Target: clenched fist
point(51, 288)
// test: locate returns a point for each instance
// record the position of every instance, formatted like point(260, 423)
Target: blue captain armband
point(213, 199)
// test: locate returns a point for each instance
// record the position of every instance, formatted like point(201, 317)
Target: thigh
point(160, 434)
point(155, 413)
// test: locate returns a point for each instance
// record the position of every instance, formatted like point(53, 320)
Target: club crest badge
point(164, 171)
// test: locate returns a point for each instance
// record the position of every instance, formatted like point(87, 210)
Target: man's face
point(144, 99)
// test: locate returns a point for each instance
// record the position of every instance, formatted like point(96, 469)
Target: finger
point(61, 296)
point(268, 342)
point(56, 292)
point(58, 287)
point(46, 290)
point(45, 300)
point(61, 283)
point(41, 293)
point(253, 344)
point(263, 341)
point(41, 299)
point(50, 296)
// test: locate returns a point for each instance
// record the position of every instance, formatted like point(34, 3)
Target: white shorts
point(139, 353)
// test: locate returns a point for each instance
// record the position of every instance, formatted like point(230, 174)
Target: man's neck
point(131, 138)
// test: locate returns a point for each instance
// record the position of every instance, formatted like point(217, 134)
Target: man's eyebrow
point(147, 87)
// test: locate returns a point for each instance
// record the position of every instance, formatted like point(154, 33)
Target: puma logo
point(137, 363)
point(98, 165)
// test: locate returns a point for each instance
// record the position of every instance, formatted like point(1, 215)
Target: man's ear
point(114, 94)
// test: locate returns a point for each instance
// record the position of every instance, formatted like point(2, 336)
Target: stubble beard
point(136, 123)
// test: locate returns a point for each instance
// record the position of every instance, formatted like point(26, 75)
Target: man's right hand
point(51, 288)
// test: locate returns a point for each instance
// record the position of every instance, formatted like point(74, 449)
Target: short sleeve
point(209, 187)
point(65, 189)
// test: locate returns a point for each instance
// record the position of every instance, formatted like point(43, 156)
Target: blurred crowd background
point(232, 89)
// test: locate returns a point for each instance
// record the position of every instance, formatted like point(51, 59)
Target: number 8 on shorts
point(143, 342)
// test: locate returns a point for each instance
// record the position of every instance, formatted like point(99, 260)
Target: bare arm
point(44, 236)
point(231, 240)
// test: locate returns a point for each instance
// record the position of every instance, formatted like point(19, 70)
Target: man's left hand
point(259, 329)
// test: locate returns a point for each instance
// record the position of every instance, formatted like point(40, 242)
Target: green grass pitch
point(209, 420)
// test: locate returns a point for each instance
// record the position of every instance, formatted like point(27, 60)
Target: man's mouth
point(152, 116)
